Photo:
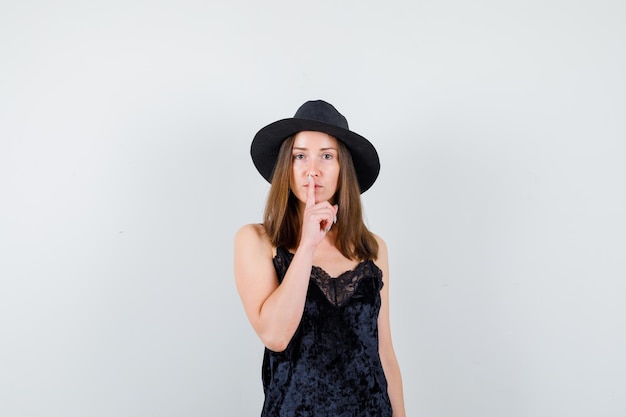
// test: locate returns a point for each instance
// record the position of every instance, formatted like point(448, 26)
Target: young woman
point(313, 279)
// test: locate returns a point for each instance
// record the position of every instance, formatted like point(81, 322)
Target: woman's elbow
point(276, 341)
point(277, 346)
point(276, 336)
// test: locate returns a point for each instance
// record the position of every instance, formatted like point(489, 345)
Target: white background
point(125, 129)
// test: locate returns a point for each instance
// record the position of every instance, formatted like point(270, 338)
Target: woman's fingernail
point(309, 178)
point(335, 220)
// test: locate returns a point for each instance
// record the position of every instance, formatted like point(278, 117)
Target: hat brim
point(266, 145)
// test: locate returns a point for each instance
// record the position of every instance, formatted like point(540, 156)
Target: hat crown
point(321, 111)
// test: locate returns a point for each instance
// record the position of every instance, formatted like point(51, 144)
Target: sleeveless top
point(331, 367)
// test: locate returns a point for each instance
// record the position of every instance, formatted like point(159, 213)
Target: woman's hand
point(317, 218)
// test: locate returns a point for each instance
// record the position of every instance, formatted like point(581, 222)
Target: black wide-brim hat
point(318, 116)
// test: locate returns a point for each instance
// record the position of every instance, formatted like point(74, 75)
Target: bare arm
point(275, 310)
point(385, 347)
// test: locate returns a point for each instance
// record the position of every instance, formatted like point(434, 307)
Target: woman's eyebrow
point(298, 148)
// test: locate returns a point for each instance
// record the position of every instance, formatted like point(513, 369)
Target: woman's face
point(314, 153)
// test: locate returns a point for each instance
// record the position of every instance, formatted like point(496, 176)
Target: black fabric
point(331, 367)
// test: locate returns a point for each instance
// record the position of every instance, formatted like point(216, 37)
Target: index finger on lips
point(310, 196)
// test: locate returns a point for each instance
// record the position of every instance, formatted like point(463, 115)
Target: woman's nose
point(313, 169)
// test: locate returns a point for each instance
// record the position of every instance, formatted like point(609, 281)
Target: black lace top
point(331, 367)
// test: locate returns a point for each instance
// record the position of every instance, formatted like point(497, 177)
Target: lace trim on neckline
point(339, 290)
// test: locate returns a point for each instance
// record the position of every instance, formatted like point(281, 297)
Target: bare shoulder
point(255, 275)
point(248, 231)
point(253, 237)
point(253, 252)
point(382, 248)
point(382, 260)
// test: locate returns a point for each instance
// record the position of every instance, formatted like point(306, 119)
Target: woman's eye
point(298, 156)
point(327, 156)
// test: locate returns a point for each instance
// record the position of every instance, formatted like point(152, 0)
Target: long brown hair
point(282, 219)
